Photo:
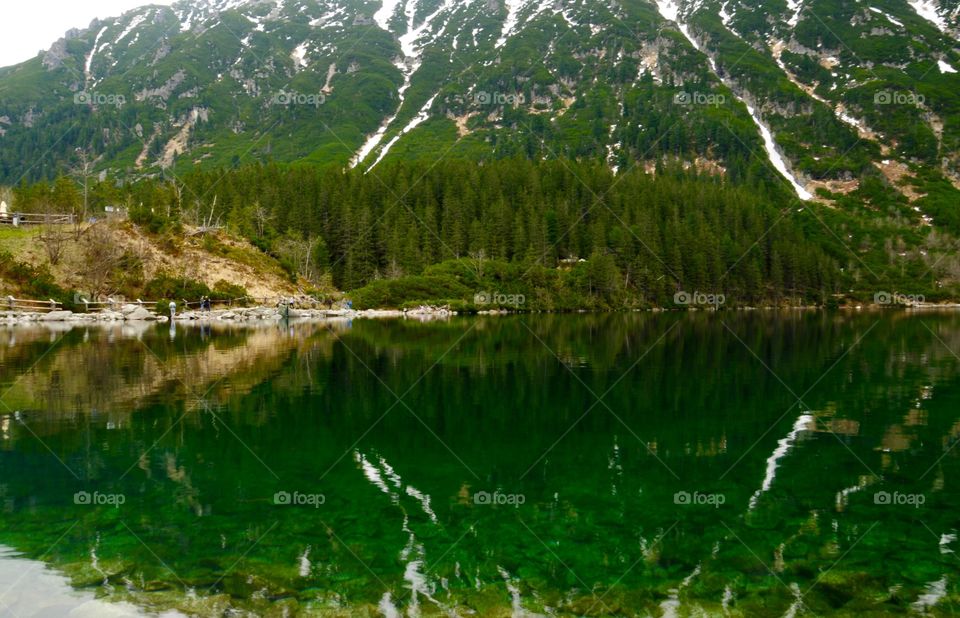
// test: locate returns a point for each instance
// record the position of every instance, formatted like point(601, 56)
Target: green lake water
point(731, 463)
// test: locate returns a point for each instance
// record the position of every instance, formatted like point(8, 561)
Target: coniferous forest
point(563, 235)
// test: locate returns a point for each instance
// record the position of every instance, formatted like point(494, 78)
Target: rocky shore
point(126, 313)
point(139, 313)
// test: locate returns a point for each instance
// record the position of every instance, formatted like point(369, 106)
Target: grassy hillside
point(123, 260)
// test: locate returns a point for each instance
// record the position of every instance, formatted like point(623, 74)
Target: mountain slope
point(810, 94)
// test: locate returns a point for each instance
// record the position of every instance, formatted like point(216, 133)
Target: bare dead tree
point(101, 259)
point(394, 271)
point(300, 252)
point(53, 237)
point(212, 220)
point(261, 216)
point(54, 242)
point(82, 172)
point(209, 222)
point(178, 191)
point(477, 258)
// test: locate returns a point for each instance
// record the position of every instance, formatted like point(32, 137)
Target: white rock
point(56, 316)
point(140, 314)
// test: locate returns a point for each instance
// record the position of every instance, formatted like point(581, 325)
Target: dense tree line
point(641, 236)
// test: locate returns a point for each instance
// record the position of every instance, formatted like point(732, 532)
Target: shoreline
point(139, 317)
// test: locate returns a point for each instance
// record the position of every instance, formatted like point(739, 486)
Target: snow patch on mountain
point(670, 10)
point(136, 21)
point(795, 7)
point(887, 15)
point(186, 17)
point(327, 19)
point(385, 14)
point(374, 140)
point(419, 119)
point(776, 49)
point(725, 17)
point(945, 67)
point(93, 51)
point(331, 72)
point(412, 44)
point(774, 154)
point(513, 18)
point(518, 16)
point(299, 56)
point(258, 23)
point(930, 11)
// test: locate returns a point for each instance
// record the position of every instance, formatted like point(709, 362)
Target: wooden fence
point(18, 219)
point(19, 304)
point(10, 303)
point(184, 304)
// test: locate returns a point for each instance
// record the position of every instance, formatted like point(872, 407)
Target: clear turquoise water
point(752, 464)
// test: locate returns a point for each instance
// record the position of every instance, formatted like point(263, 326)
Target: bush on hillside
point(168, 286)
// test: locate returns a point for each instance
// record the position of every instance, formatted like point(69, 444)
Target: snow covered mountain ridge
point(819, 96)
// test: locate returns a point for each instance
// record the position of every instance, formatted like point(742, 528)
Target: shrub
point(168, 286)
point(224, 290)
point(34, 282)
point(406, 291)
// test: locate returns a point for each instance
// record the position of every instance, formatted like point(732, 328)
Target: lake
point(728, 463)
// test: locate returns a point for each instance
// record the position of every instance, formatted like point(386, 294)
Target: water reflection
point(30, 588)
point(760, 464)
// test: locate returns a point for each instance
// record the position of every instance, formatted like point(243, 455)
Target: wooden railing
point(17, 219)
point(91, 306)
point(19, 304)
point(10, 303)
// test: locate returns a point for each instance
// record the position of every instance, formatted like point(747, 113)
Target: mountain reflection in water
point(758, 464)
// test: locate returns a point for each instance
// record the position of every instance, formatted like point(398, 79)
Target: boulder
point(140, 314)
point(56, 316)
